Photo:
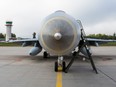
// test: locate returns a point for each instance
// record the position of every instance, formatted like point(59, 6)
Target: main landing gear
point(83, 43)
point(45, 54)
point(60, 65)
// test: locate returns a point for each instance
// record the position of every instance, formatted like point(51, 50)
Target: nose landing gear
point(60, 65)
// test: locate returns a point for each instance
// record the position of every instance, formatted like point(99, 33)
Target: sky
point(97, 16)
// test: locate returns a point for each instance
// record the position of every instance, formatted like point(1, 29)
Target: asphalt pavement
point(18, 69)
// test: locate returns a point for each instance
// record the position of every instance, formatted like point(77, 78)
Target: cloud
point(98, 11)
point(107, 26)
point(28, 14)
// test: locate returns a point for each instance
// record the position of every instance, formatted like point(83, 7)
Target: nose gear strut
point(60, 65)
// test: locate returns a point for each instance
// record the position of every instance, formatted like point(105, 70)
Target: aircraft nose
point(57, 36)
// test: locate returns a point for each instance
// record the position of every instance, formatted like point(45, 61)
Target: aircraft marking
point(59, 79)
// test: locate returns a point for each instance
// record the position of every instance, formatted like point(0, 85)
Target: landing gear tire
point(45, 54)
point(56, 67)
point(63, 66)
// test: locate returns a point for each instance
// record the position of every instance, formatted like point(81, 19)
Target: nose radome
point(57, 36)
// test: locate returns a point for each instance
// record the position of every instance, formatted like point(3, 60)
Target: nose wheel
point(60, 65)
point(64, 66)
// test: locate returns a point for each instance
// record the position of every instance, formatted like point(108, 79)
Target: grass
point(19, 44)
point(9, 44)
point(109, 44)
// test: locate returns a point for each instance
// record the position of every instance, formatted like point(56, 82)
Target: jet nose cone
point(57, 36)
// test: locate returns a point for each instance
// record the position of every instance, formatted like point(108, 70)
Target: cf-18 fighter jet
point(60, 34)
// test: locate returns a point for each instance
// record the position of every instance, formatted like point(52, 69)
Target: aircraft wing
point(25, 42)
point(100, 40)
point(96, 42)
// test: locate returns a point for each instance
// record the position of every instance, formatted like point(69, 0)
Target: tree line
point(97, 36)
point(102, 36)
point(4, 35)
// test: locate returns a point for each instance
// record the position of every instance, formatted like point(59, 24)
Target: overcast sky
point(97, 16)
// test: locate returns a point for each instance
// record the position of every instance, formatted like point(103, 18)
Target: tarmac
point(18, 69)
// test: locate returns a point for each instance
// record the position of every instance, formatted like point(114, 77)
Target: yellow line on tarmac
point(59, 79)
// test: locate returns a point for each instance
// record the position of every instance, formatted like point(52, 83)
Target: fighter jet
point(60, 35)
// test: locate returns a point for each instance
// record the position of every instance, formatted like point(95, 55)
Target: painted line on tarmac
point(59, 79)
